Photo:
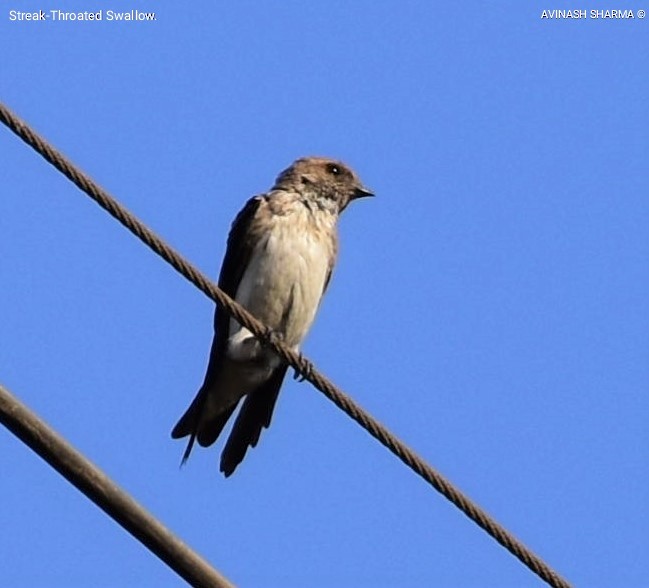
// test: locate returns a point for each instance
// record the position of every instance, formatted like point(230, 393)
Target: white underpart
point(282, 285)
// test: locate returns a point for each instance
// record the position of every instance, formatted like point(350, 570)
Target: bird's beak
point(361, 192)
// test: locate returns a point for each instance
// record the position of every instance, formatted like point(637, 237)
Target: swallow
point(280, 254)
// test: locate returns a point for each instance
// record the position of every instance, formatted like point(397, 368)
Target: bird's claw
point(304, 372)
point(272, 337)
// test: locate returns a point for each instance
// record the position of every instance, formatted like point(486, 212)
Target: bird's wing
point(332, 262)
point(237, 255)
point(241, 244)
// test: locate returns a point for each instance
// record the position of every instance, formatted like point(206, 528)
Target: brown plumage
point(280, 254)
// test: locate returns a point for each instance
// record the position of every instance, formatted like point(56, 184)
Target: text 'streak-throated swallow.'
point(280, 254)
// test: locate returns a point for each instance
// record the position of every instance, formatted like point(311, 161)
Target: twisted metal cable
point(294, 359)
point(107, 495)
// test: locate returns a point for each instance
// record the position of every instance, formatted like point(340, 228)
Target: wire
point(97, 486)
point(295, 360)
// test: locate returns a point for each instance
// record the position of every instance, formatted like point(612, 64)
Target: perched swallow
point(280, 254)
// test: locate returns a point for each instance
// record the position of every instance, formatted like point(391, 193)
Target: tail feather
point(188, 449)
point(210, 429)
point(194, 424)
point(188, 423)
point(202, 423)
point(255, 414)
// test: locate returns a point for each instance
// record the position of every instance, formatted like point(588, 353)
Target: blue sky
point(490, 305)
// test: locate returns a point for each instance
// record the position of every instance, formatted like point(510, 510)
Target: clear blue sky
point(490, 305)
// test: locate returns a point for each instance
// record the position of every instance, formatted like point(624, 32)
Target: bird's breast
point(285, 278)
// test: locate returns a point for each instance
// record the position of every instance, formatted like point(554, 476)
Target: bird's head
point(327, 183)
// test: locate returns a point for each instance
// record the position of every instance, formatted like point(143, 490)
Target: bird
point(279, 258)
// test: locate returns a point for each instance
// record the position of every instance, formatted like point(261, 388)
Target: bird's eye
point(333, 169)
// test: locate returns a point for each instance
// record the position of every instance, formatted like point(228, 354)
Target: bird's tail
point(198, 423)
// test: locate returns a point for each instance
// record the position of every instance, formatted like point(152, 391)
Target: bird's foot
point(306, 369)
point(272, 337)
